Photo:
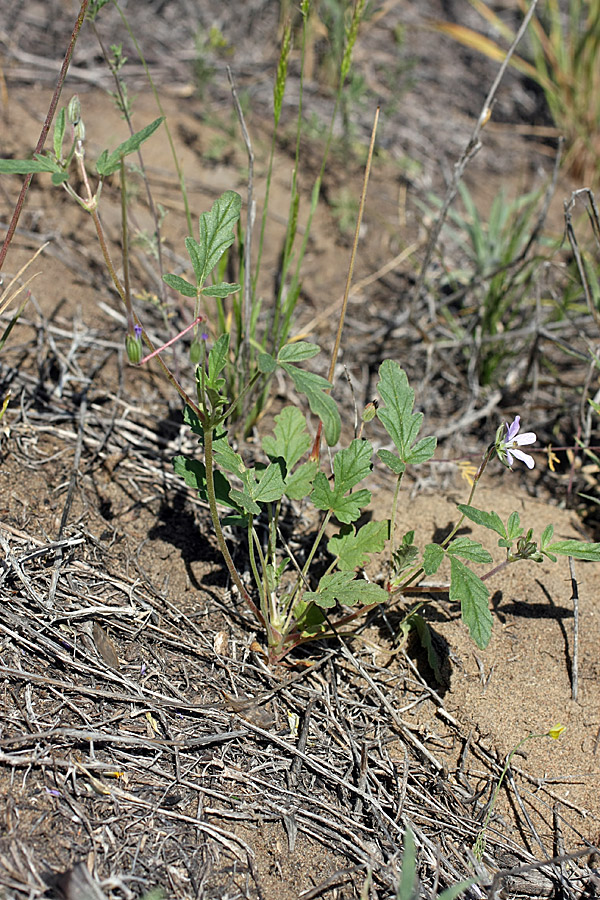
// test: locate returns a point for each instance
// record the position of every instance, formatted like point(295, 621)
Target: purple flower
point(137, 330)
point(508, 449)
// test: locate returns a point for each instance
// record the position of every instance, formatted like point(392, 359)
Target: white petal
point(524, 457)
point(528, 438)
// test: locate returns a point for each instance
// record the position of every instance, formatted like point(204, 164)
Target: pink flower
point(513, 441)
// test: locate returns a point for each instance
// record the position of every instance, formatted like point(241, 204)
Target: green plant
point(293, 601)
point(291, 598)
point(564, 48)
point(500, 264)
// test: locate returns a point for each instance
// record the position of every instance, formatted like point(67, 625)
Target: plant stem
point(486, 458)
point(479, 847)
point(302, 577)
point(214, 513)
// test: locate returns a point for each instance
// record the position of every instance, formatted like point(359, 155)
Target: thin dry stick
point(361, 209)
point(251, 215)
point(472, 148)
point(575, 655)
point(44, 132)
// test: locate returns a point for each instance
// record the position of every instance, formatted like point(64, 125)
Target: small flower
point(507, 446)
point(556, 731)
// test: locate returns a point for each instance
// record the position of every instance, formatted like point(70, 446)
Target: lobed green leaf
point(107, 164)
point(217, 233)
point(299, 484)
point(222, 290)
point(193, 473)
point(298, 352)
point(180, 285)
point(392, 461)
point(266, 363)
point(473, 595)
point(344, 588)
point(432, 558)
point(354, 548)
point(322, 404)
point(291, 440)
point(28, 166)
point(469, 549)
point(576, 549)
point(489, 520)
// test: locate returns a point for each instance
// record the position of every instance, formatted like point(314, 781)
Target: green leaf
point(266, 363)
point(397, 417)
point(473, 595)
point(299, 484)
point(354, 548)
point(192, 421)
point(101, 161)
point(106, 164)
point(223, 289)
point(468, 549)
point(350, 466)
point(309, 620)
point(217, 233)
point(424, 632)
point(193, 473)
point(196, 258)
point(59, 133)
point(422, 451)
point(297, 352)
point(392, 461)
point(408, 888)
point(576, 549)
point(227, 458)
point(241, 498)
point(60, 178)
point(344, 588)
point(270, 486)
point(547, 535)
point(217, 359)
point(489, 520)
point(406, 554)
point(291, 439)
point(28, 166)
point(432, 558)
point(513, 526)
point(180, 285)
point(321, 403)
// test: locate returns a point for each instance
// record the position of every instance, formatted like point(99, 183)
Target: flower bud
point(369, 411)
point(133, 345)
point(196, 352)
point(74, 117)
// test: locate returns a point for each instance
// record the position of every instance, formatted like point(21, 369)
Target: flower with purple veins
point(508, 445)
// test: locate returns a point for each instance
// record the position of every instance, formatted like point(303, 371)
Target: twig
point(250, 218)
